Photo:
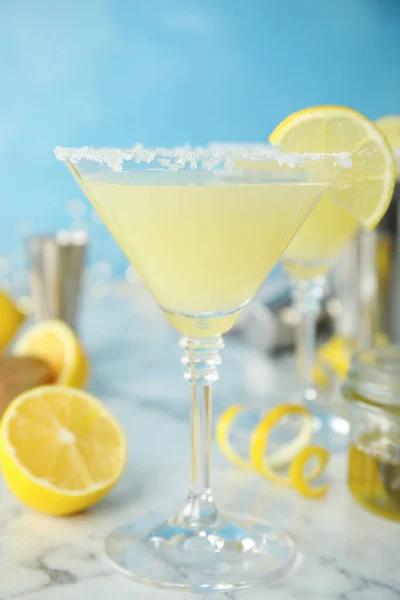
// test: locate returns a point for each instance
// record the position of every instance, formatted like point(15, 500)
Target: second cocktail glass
point(308, 258)
point(359, 197)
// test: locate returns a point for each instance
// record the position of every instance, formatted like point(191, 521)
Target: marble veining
point(345, 553)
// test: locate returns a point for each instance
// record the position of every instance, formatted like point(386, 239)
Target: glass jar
point(373, 392)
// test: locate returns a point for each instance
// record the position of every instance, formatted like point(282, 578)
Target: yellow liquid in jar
point(374, 477)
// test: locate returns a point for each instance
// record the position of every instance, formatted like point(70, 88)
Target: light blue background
point(168, 72)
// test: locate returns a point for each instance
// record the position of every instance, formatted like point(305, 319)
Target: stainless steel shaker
point(55, 266)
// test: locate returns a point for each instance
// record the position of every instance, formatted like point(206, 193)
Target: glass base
point(227, 555)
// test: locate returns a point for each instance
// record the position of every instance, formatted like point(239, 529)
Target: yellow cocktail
point(319, 240)
point(203, 249)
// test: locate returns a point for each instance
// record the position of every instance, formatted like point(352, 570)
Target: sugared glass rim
point(207, 158)
point(374, 378)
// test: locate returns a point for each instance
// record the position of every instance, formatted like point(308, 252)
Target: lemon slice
point(56, 343)
point(364, 190)
point(10, 319)
point(260, 438)
point(390, 126)
point(61, 450)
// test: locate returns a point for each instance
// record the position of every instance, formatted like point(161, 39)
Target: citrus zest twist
point(223, 428)
point(300, 480)
point(295, 454)
point(260, 438)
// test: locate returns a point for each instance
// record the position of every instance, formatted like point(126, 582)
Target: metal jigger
point(55, 265)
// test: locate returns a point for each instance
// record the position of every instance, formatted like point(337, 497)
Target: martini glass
point(202, 235)
point(308, 259)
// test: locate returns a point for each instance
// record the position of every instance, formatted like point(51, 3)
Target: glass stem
point(201, 358)
point(307, 297)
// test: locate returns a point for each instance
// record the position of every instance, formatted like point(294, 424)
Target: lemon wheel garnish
point(268, 466)
point(55, 342)
point(365, 189)
point(297, 475)
point(61, 450)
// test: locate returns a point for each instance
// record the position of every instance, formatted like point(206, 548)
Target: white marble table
point(345, 553)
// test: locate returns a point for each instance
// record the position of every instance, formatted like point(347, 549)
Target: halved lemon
point(365, 189)
point(61, 450)
point(56, 343)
